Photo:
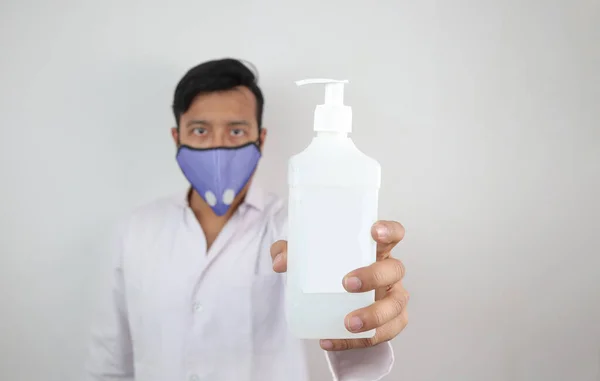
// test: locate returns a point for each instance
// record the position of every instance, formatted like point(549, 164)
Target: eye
point(237, 132)
point(199, 131)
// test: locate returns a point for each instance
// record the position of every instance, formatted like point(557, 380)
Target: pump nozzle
point(333, 115)
point(334, 89)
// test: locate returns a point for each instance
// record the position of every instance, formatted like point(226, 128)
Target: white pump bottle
point(333, 200)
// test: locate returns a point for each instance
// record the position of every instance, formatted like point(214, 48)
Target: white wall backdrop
point(484, 115)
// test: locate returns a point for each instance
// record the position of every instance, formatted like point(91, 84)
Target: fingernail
point(326, 344)
point(352, 284)
point(277, 259)
point(354, 323)
point(382, 231)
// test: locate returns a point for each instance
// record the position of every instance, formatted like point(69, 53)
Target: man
point(194, 294)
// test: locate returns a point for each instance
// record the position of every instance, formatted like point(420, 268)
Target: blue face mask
point(219, 174)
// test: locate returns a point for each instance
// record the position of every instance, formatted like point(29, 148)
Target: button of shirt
point(198, 307)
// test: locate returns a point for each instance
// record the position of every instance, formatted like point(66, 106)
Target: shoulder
point(270, 204)
point(275, 205)
point(275, 210)
point(152, 216)
point(159, 207)
point(145, 227)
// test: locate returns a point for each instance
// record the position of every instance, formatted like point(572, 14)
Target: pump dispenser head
point(333, 115)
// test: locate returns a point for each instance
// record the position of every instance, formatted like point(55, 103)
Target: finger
point(279, 256)
point(387, 234)
point(380, 274)
point(379, 313)
point(383, 334)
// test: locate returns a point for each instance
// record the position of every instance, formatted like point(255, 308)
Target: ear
point(263, 137)
point(175, 135)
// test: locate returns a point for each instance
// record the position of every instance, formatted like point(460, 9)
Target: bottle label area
point(330, 235)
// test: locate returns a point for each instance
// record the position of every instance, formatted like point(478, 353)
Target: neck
point(210, 223)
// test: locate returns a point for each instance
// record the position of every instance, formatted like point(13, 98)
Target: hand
point(388, 314)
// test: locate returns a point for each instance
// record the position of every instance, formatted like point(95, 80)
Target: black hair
point(216, 75)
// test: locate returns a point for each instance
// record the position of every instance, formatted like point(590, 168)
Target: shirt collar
point(255, 197)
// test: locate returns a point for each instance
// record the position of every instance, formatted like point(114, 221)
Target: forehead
point(238, 103)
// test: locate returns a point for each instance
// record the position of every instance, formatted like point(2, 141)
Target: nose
point(219, 138)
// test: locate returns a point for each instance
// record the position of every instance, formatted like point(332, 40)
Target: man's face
point(220, 119)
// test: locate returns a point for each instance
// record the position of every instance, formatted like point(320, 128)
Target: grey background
point(483, 114)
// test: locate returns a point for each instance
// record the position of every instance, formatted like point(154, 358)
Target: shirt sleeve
point(366, 364)
point(110, 356)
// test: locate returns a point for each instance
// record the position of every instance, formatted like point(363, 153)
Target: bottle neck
point(332, 134)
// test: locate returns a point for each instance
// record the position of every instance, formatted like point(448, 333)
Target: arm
point(111, 354)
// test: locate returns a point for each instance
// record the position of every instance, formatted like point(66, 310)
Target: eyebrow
point(197, 122)
point(238, 123)
point(202, 122)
